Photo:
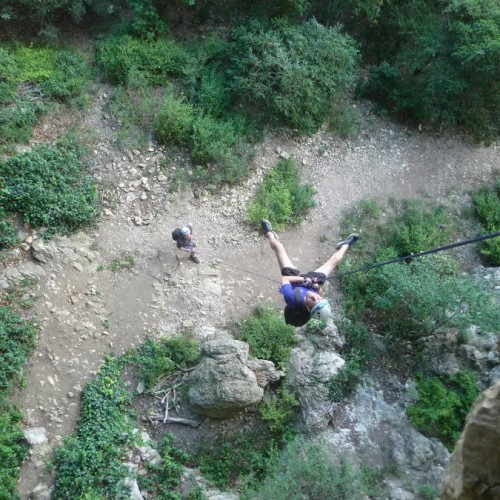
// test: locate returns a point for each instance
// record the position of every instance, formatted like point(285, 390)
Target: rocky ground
point(88, 310)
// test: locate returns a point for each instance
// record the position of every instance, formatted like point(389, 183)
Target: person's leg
point(328, 267)
point(279, 251)
point(342, 247)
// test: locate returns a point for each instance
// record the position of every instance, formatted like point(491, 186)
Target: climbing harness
point(415, 255)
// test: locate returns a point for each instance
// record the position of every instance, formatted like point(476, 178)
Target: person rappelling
point(302, 292)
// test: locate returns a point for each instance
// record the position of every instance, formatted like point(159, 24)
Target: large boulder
point(223, 382)
point(474, 468)
point(313, 362)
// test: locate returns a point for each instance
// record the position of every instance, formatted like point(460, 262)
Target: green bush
point(294, 74)
point(134, 110)
point(216, 146)
point(268, 336)
point(168, 355)
point(442, 406)
point(146, 22)
point(162, 480)
point(307, 469)
point(487, 207)
point(418, 227)
point(130, 61)
point(13, 448)
point(279, 412)
point(50, 188)
point(91, 462)
point(414, 301)
point(281, 198)
point(8, 235)
point(443, 74)
point(17, 341)
point(32, 78)
point(241, 458)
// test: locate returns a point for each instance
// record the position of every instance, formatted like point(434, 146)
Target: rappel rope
point(392, 261)
point(378, 264)
point(415, 255)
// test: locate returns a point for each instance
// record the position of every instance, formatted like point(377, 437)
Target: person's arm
point(292, 279)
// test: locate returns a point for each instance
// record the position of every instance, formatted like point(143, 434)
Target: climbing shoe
point(350, 240)
point(194, 259)
point(267, 227)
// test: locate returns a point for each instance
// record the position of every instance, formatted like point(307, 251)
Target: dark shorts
point(292, 271)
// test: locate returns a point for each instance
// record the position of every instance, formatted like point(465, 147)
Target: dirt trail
point(88, 312)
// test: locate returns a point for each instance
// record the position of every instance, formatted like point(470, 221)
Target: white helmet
point(321, 310)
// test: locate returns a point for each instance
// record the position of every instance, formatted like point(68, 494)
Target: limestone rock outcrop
point(226, 381)
point(474, 468)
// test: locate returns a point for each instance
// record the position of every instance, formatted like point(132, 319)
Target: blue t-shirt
point(287, 290)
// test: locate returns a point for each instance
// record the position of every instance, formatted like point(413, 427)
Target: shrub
point(281, 197)
point(33, 77)
point(146, 23)
point(443, 74)
point(487, 207)
point(8, 235)
point(411, 300)
point(217, 146)
point(419, 227)
point(344, 119)
point(442, 406)
point(162, 480)
point(17, 341)
point(279, 412)
point(268, 337)
point(129, 61)
point(168, 355)
point(307, 469)
point(292, 73)
point(49, 187)
point(90, 464)
point(134, 109)
point(414, 301)
point(239, 458)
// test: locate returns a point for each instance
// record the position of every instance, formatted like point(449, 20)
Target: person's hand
point(307, 282)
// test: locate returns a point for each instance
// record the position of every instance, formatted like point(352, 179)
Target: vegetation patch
point(131, 61)
point(125, 261)
point(8, 233)
point(134, 110)
point(307, 469)
point(487, 207)
point(91, 464)
point(281, 198)
point(443, 74)
point(33, 78)
point(419, 298)
point(268, 336)
point(49, 187)
point(293, 73)
point(217, 146)
point(162, 480)
point(164, 357)
point(442, 406)
point(17, 342)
